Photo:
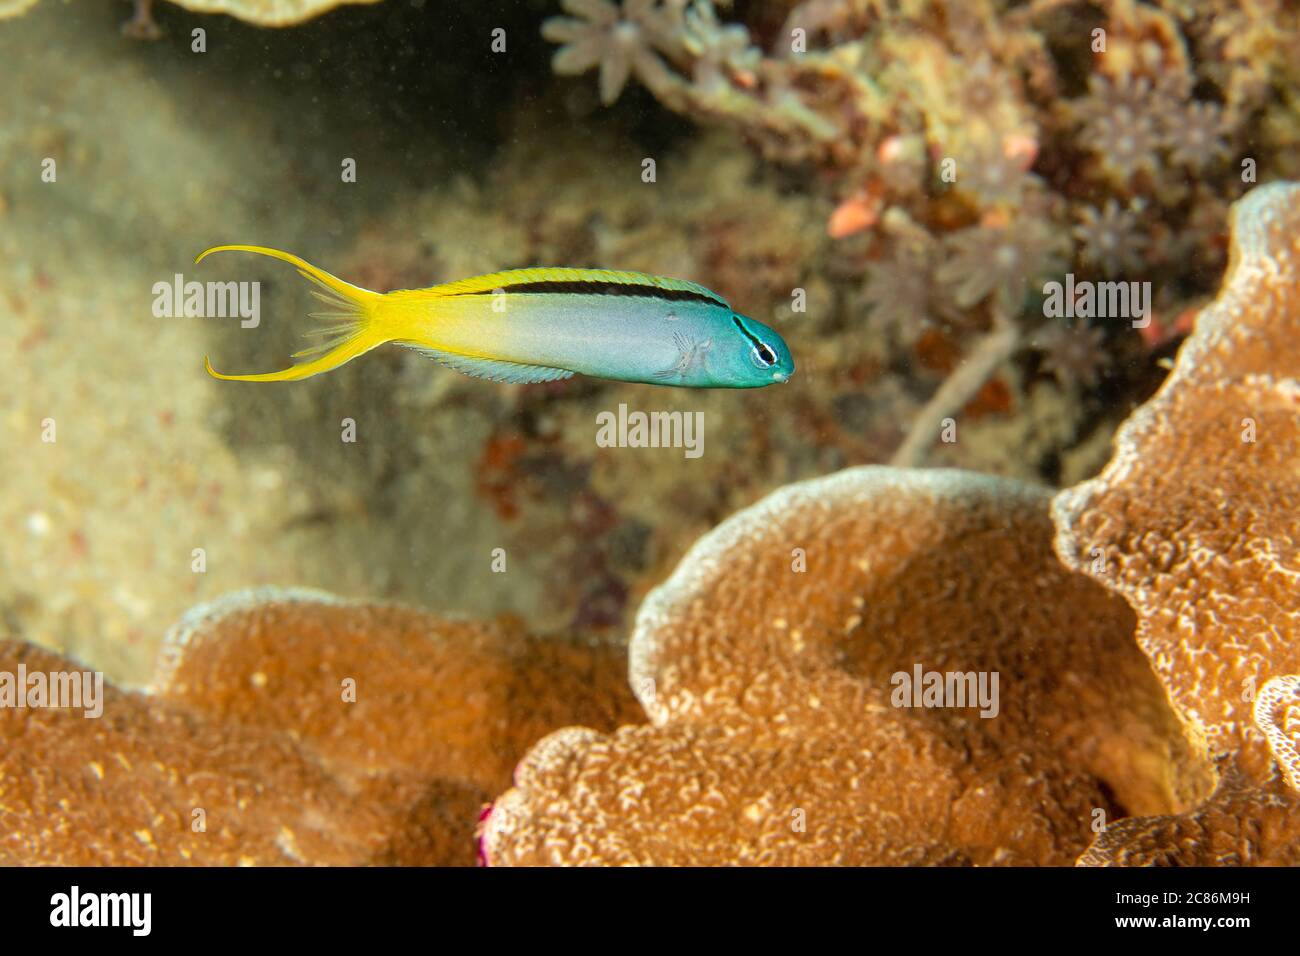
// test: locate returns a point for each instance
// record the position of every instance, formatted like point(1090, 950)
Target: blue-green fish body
point(537, 325)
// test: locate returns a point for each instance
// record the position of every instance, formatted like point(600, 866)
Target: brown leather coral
point(768, 665)
point(374, 687)
point(11, 8)
point(1196, 522)
point(268, 13)
point(153, 783)
point(264, 13)
point(1240, 825)
point(292, 727)
point(1277, 715)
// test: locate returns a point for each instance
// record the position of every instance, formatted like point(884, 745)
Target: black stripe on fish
point(556, 287)
point(764, 350)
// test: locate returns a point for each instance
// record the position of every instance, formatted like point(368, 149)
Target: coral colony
point(968, 215)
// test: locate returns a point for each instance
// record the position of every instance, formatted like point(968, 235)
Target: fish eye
point(764, 357)
point(762, 353)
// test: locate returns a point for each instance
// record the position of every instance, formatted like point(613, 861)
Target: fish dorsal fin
point(494, 370)
point(538, 277)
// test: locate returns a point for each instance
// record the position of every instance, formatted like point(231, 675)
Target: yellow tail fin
point(350, 329)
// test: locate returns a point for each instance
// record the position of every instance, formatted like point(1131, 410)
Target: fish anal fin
point(494, 370)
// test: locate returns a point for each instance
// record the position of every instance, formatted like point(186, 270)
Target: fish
point(541, 325)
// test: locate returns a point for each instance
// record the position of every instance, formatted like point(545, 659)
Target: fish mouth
point(780, 377)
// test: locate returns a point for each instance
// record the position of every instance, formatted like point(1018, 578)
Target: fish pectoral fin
point(670, 372)
point(494, 370)
point(690, 354)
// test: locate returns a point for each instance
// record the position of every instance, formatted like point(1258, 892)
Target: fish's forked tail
point(350, 328)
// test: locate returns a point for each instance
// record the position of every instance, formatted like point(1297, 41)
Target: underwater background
point(891, 186)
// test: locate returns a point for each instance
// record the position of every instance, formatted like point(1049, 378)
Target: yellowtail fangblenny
point(540, 325)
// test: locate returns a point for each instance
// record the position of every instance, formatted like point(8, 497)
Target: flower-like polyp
point(769, 667)
point(291, 727)
point(1196, 523)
